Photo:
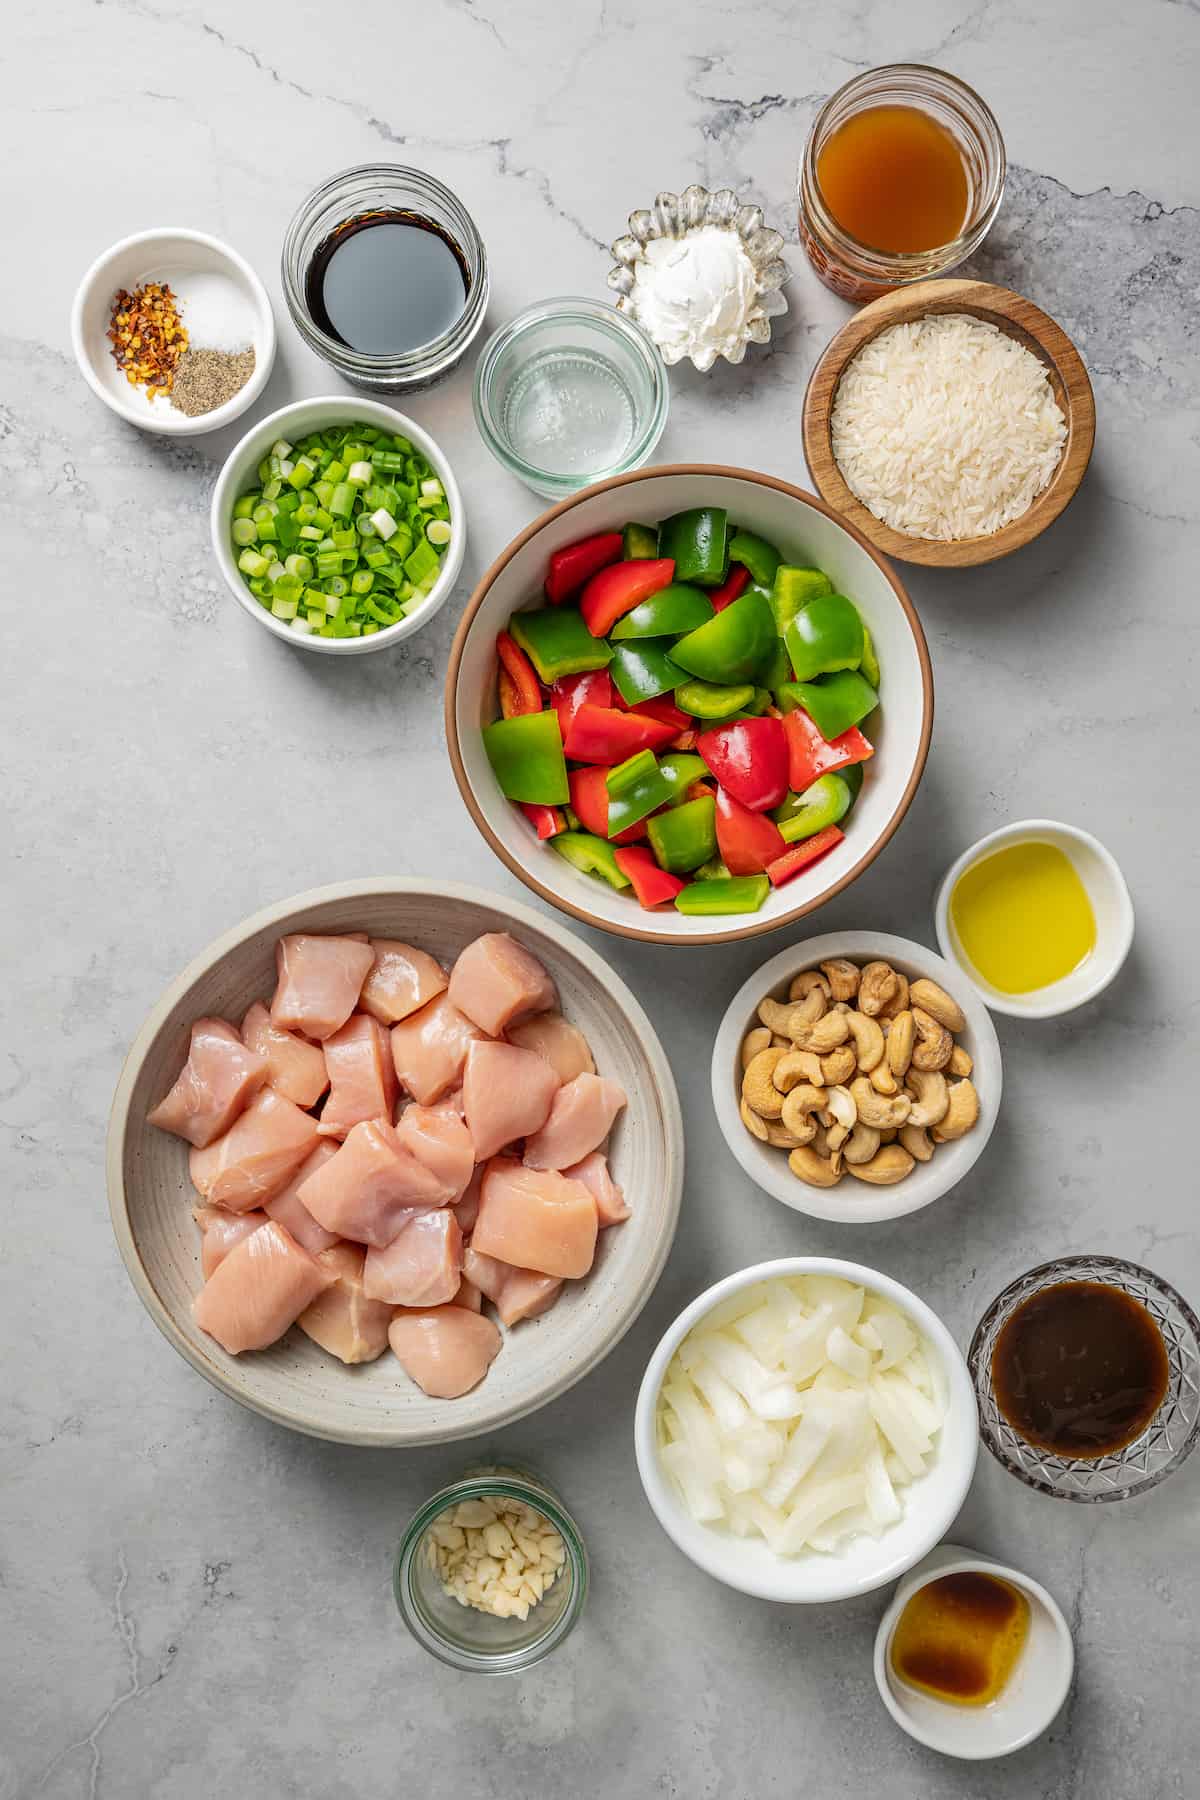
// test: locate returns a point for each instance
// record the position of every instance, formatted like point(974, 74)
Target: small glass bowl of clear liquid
point(569, 392)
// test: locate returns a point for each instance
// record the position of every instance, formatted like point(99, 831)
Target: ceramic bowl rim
point(958, 1460)
point(268, 917)
point(1016, 1006)
point(648, 934)
point(371, 412)
point(171, 424)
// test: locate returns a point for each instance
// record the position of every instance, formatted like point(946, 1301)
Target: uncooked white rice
point(946, 427)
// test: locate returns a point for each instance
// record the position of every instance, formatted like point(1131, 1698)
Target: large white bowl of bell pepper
point(689, 704)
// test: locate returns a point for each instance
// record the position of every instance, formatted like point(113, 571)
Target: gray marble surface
point(194, 1602)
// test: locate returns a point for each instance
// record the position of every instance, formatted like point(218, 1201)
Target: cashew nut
point(868, 1040)
point(960, 1063)
point(780, 1020)
point(754, 1125)
point(883, 1081)
point(843, 978)
point(938, 1004)
point(826, 1034)
point(820, 1142)
point(797, 1066)
point(840, 1102)
point(899, 1000)
point(861, 1145)
point(753, 1042)
point(836, 1136)
point(876, 986)
point(781, 1139)
point(891, 1163)
point(932, 1097)
point(901, 1037)
point(758, 1090)
point(961, 1113)
point(838, 1066)
point(780, 1043)
point(804, 983)
point(881, 1110)
point(889, 1136)
point(934, 1043)
point(801, 1101)
point(915, 1139)
point(817, 1171)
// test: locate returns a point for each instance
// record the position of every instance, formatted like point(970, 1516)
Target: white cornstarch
point(696, 293)
point(946, 427)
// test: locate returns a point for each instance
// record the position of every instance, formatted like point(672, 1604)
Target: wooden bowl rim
point(668, 1112)
point(1007, 309)
point(647, 934)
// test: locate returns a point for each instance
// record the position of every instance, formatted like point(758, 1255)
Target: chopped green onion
point(244, 531)
point(384, 523)
point(279, 448)
point(359, 473)
point(438, 531)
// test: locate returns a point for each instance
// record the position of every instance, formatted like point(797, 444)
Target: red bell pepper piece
point(749, 758)
point(547, 821)
point(576, 563)
point(685, 741)
point(589, 802)
point(601, 734)
point(748, 841)
point(570, 692)
point(735, 583)
point(615, 591)
point(652, 885)
point(522, 692)
point(663, 709)
point(800, 855)
point(810, 755)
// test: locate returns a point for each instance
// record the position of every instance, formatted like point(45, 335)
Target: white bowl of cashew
point(854, 1201)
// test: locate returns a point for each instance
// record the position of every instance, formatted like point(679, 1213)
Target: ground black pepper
point(206, 379)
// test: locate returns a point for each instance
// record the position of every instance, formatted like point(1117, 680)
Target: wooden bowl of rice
point(939, 440)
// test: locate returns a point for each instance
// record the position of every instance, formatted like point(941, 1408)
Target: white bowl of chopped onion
point(806, 1430)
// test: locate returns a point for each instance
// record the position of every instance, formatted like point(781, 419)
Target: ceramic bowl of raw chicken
point(158, 1179)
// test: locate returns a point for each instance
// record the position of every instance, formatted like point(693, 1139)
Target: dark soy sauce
point(1080, 1369)
point(387, 282)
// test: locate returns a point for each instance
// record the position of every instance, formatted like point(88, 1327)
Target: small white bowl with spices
point(205, 325)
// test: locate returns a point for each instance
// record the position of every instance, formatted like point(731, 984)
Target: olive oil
point(896, 179)
point(959, 1637)
point(1023, 918)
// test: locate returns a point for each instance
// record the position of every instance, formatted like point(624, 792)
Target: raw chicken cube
point(468, 1295)
point(362, 1076)
point(593, 1171)
point(496, 981)
point(580, 1120)
point(342, 1320)
point(319, 980)
point(220, 1231)
point(508, 1094)
point(367, 1188)
point(558, 1042)
point(288, 1210)
point(294, 1069)
point(535, 1219)
point(257, 1156)
point(447, 1350)
point(437, 1137)
point(466, 1210)
point(422, 1266)
point(430, 1049)
point(259, 1290)
point(515, 1293)
point(219, 1078)
point(400, 980)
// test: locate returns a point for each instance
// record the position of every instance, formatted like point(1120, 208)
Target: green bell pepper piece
point(642, 671)
point(695, 542)
point(669, 613)
point(733, 894)
point(704, 700)
point(756, 554)
point(680, 769)
point(852, 775)
point(794, 588)
point(636, 787)
point(639, 543)
point(526, 753)
point(590, 854)
point(732, 647)
point(834, 703)
point(685, 836)
point(803, 815)
point(714, 870)
point(778, 667)
point(825, 636)
point(558, 643)
point(870, 662)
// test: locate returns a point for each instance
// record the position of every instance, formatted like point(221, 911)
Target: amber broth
point(895, 179)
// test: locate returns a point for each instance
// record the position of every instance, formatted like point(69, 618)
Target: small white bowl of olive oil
point(1037, 916)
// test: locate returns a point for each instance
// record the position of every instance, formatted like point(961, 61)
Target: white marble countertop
point(196, 1602)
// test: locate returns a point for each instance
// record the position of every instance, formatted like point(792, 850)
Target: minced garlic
point(496, 1555)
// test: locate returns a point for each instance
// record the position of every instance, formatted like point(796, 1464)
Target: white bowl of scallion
point(338, 525)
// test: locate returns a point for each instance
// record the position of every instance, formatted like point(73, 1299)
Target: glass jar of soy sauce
point(385, 276)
